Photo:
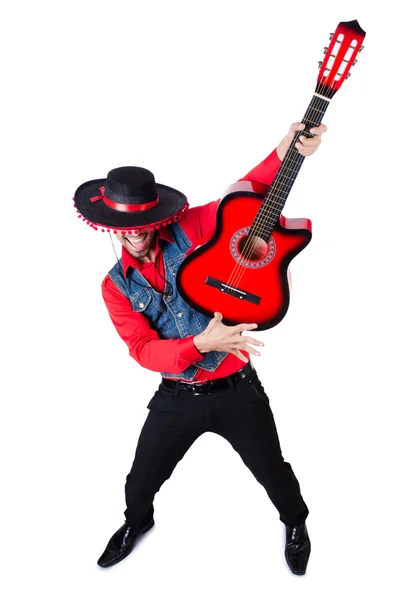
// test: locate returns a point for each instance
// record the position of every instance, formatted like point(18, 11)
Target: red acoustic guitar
point(242, 270)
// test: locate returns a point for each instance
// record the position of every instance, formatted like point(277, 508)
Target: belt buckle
point(194, 388)
point(208, 385)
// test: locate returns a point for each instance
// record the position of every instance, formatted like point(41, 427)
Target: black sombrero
point(129, 198)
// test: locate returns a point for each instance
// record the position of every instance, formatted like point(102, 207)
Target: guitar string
point(270, 211)
point(319, 106)
point(249, 247)
point(261, 221)
point(281, 180)
point(321, 88)
point(271, 207)
point(270, 204)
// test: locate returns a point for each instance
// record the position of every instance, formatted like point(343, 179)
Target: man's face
point(137, 243)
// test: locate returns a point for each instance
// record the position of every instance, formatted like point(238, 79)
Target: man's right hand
point(224, 338)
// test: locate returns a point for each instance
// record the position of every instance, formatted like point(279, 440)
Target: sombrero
point(129, 198)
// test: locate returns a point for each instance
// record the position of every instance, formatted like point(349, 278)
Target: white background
point(199, 93)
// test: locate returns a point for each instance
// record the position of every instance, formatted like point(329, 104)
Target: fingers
point(240, 355)
point(245, 326)
point(300, 126)
point(319, 130)
point(249, 340)
point(307, 146)
point(248, 348)
point(218, 316)
point(243, 344)
point(315, 141)
point(295, 127)
point(305, 151)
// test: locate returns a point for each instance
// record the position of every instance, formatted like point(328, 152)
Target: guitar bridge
point(232, 291)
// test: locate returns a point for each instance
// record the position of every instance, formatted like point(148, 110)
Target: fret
point(269, 197)
point(290, 178)
point(282, 183)
point(288, 169)
point(267, 231)
point(259, 225)
point(266, 217)
point(317, 109)
point(291, 160)
point(309, 121)
point(268, 210)
point(283, 187)
point(279, 192)
point(291, 149)
point(276, 197)
point(296, 158)
point(292, 168)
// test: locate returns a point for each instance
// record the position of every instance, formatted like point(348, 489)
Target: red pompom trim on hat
point(151, 226)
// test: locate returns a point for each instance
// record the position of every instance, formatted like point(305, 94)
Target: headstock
point(341, 54)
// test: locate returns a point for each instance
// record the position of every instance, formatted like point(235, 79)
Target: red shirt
point(144, 344)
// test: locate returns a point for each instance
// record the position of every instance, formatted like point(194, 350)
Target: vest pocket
point(141, 302)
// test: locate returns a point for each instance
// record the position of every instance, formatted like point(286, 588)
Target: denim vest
point(168, 313)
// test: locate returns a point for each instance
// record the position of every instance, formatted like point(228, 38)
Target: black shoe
point(297, 548)
point(121, 543)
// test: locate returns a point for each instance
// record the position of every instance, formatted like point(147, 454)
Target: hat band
point(124, 207)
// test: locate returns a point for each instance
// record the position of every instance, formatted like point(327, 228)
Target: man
point(208, 383)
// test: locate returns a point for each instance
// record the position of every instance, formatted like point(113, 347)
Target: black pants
point(241, 415)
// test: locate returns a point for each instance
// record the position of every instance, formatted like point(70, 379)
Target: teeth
point(137, 239)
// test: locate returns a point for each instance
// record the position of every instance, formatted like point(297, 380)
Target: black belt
point(209, 386)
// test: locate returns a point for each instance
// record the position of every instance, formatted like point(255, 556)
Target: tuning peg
point(320, 62)
point(348, 75)
point(354, 62)
point(325, 49)
point(331, 35)
point(362, 48)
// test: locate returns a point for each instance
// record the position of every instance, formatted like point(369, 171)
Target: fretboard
point(276, 197)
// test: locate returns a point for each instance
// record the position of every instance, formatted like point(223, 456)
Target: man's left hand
point(305, 146)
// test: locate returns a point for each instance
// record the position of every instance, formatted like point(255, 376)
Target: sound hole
point(252, 247)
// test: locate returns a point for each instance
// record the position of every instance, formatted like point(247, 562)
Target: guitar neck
point(276, 197)
point(341, 55)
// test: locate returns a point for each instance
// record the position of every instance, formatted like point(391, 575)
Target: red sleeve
point(200, 220)
point(266, 171)
point(143, 342)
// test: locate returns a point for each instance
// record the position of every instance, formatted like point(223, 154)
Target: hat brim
point(171, 203)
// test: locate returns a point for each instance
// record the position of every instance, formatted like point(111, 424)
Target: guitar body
point(258, 273)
